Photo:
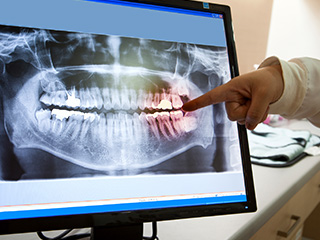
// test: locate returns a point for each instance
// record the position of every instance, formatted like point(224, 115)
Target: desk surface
point(274, 187)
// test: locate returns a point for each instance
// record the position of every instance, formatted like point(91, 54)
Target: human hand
point(247, 97)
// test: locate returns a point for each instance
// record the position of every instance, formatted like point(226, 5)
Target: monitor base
point(121, 232)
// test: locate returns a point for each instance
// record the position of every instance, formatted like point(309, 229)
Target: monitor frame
point(138, 217)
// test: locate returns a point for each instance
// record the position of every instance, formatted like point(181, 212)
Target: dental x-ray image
point(80, 105)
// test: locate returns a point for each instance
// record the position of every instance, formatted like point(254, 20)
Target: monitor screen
point(91, 119)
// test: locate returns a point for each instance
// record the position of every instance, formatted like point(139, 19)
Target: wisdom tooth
point(46, 99)
point(59, 98)
point(190, 123)
point(43, 118)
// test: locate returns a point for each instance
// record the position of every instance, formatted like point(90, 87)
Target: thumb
point(256, 112)
point(214, 96)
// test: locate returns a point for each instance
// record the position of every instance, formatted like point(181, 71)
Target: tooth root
point(165, 125)
point(165, 96)
point(153, 125)
point(102, 128)
point(129, 126)
point(176, 117)
point(106, 99)
point(176, 101)
point(110, 127)
point(138, 132)
point(156, 101)
point(57, 125)
point(144, 125)
point(74, 126)
point(133, 98)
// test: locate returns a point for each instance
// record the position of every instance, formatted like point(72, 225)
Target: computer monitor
point(92, 131)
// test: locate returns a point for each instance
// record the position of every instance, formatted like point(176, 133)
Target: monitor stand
point(121, 232)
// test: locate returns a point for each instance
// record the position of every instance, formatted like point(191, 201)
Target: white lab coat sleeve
point(301, 95)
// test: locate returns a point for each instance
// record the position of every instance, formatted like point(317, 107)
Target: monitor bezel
point(151, 215)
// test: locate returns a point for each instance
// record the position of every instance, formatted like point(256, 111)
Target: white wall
point(294, 29)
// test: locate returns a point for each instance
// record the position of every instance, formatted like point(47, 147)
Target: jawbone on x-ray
point(105, 102)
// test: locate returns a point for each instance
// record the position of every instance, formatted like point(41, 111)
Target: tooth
point(59, 98)
point(125, 103)
point(129, 126)
point(106, 98)
point(121, 124)
point(190, 123)
point(57, 125)
point(142, 99)
point(144, 125)
point(156, 101)
point(61, 114)
point(176, 101)
point(72, 101)
point(177, 121)
point(164, 95)
point(102, 128)
point(153, 125)
point(74, 125)
point(148, 102)
point(137, 130)
point(164, 123)
point(165, 104)
point(85, 128)
point(84, 95)
point(43, 118)
point(115, 99)
point(110, 127)
point(183, 90)
point(133, 99)
point(46, 98)
point(96, 96)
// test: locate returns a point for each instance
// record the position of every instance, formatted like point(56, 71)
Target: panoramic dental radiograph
point(78, 105)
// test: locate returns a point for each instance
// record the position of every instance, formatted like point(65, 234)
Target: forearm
point(301, 95)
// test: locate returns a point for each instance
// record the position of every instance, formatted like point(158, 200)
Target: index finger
point(214, 96)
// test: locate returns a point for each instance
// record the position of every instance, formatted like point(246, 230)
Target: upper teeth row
point(108, 99)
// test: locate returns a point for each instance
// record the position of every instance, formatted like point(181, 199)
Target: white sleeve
point(301, 95)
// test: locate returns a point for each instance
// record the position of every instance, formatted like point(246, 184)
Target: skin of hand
point(247, 97)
